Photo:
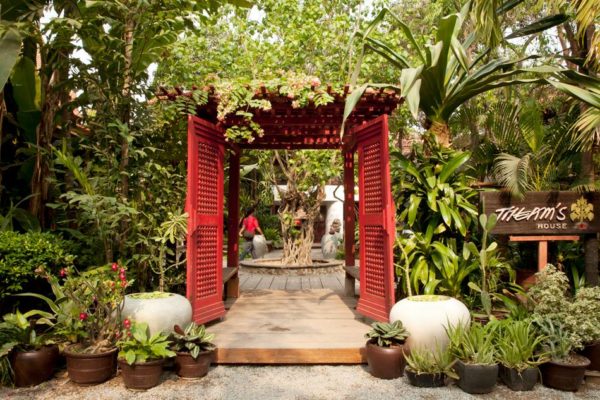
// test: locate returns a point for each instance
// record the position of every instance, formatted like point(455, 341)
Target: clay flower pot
point(476, 378)
point(592, 352)
point(385, 362)
point(519, 381)
point(89, 369)
point(33, 367)
point(565, 375)
point(141, 376)
point(427, 380)
point(188, 367)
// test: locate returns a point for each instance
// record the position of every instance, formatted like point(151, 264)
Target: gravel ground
point(281, 382)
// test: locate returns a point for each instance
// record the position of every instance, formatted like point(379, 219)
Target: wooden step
point(317, 326)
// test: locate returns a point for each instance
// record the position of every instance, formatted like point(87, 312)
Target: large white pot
point(161, 311)
point(426, 318)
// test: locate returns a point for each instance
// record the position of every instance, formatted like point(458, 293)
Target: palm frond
point(513, 173)
point(586, 130)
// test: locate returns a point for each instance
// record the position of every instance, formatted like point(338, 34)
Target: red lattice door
point(376, 220)
point(204, 204)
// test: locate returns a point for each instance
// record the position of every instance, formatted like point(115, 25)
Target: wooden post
point(542, 255)
point(233, 284)
point(349, 219)
point(591, 259)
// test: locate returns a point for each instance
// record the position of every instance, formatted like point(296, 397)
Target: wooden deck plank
point(278, 282)
point(290, 356)
point(315, 282)
point(293, 283)
point(265, 283)
point(251, 282)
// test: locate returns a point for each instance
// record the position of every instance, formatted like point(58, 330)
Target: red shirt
point(250, 223)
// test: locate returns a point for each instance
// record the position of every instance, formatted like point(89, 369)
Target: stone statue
point(331, 240)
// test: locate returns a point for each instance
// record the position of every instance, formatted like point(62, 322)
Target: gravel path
point(281, 382)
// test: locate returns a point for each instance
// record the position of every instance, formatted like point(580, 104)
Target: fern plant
point(387, 334)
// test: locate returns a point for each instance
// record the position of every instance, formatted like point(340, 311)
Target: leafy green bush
point(22, 253)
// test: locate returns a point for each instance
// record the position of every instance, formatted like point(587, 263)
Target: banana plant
point(445, 76)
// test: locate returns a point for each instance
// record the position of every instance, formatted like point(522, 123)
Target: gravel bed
point(279, 382)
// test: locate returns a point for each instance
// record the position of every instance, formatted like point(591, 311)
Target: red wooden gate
point(376, 220)
point(204, 204)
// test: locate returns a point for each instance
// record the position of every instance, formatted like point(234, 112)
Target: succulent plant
point(387, 334)
point(193, 339)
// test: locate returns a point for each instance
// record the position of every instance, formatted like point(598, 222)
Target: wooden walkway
point(251, 281)
point(267, 325)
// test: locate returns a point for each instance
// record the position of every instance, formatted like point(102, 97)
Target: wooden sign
point(549, 213)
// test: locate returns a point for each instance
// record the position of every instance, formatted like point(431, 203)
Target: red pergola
point(286, 127)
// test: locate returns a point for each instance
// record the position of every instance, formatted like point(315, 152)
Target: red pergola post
point(349, 218)
point(233, 284)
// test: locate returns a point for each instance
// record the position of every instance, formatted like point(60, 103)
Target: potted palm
point(565, 370)
point(519, 353)
point(476, 356)
point(27, 357)
point(429, 368)
point(88, 307)
point(194, 350)
point(385, 349)
point(141, 356)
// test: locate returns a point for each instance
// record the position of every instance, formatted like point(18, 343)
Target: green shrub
point(22, 253)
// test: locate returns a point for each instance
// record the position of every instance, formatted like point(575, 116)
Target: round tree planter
point(160, 312)
point(385, 362)
point(141, 376)
point(90, 369)
point(34, 367)
point(425, 380)
point(592, 352)
point(565, 376)
point(519, 381)
point(427, 317)
point(476, 378)
point(188, 367)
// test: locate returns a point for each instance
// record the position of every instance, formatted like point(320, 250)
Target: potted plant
point(27, 357)
point(578, 315)
point(476, 356)
point(566, 369)
point(385, 349)
point(587, 302)
point(141, 356)
point(425, 317)
point(518, 346)
point(427, 368)
point(194, 350)
point(88, 319)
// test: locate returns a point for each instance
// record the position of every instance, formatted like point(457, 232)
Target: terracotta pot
point(386, 362)
point(565, 375)
point(34, 367)
point(476, 378)
point(141, 376)
point(188, 367)
point(89, 369)
point(519, 381)
point(592, 352)
point(425, 380)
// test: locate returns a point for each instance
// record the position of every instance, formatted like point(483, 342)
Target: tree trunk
point(442, 132)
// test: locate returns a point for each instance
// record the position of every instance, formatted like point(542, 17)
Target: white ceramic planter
point(426, 318)
point(160, 313)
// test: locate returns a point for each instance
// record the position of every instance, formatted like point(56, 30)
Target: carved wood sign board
point(554, 213)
